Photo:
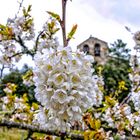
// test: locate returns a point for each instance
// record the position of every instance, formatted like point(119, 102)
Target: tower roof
point(95, 39)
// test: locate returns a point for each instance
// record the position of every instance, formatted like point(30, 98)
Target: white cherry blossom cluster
point(20, 110)
point(135, 98)
point(135, 78)
point(116, 116)
point(134, 117)
point(134, 120)
point(21, 28)
point(136, 123)
point(48, 43)
point(7, 52)
point(122, 115)
point(46, 40)
point(16, 31)
point(111, 115)
point(65, 86)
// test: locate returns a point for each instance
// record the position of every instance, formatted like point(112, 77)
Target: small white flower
point(5, 100)
point(60, 96)
point(59, 78)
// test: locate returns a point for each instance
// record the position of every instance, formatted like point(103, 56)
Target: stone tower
point(97, 48)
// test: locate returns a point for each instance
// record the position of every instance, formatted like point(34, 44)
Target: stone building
point(97, 48)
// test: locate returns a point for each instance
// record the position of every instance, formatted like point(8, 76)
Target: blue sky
point(104, 19)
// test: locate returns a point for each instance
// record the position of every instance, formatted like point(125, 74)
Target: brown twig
point(37, 40)
point(1, 71)
point(125, 100)
point(20, 41)
point(63, 22)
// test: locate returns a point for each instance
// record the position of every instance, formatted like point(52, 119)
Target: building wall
point(91, 43)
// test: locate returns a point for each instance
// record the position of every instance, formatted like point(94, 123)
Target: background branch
point(37, 129)
point(20, 6)
point(31, 129)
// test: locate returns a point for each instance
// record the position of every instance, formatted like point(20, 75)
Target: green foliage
point(119, 50)
point(27, 11)
point(116, 71)
point(52, 28)
point(6, 32)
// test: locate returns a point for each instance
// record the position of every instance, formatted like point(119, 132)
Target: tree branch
point(63, 22)
point(25, 48)
point(37, 40)
point(20, 6)
point(21, 42)
point(37, 129)
point(18, 53)
point(125, 100)
point(1, 71)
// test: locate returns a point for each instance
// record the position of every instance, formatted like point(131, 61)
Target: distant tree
point(116, 71)
point(119, 50)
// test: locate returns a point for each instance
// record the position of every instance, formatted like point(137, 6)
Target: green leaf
point(97, 124)
point(72, 32)
point(24, 12)
point(54, 15)
point(2, 26)
point(110, 100)
point(29, 8)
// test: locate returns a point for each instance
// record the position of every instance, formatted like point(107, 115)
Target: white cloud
point(119, 10)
